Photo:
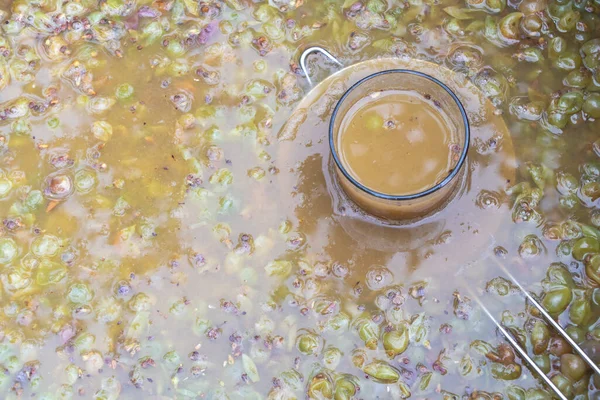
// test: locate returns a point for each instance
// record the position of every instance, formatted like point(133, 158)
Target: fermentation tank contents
point(397, 142)
point(176, 224)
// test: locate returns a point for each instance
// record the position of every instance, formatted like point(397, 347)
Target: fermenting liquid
point(397, 142)
point(161, 237)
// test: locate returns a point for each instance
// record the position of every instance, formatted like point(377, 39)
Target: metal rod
point(551, 320)
point(315, 49)
point(517, 347)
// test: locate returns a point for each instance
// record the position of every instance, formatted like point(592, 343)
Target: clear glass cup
point(415, 205)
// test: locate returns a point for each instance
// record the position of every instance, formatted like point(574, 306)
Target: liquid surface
point(396, 142)
point(164, 237)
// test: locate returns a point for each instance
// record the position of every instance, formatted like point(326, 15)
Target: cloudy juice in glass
point(399, 140)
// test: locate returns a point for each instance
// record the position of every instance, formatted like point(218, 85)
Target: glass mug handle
point(315, 49)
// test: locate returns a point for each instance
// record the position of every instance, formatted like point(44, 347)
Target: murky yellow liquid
point(171, 228)
point(397, 142)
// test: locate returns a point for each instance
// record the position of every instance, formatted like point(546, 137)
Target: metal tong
point(531, 363)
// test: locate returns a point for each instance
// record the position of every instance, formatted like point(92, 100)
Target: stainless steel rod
point(551, 320)
point(517, 347)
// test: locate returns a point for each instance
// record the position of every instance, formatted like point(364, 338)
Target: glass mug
point(407, 206)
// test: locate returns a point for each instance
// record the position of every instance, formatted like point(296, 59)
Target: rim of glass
point(445, 181)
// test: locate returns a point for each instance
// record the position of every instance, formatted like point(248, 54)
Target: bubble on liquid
point(296, 240)
point(339, 270)
point(500, 252)
point(311, 287)
point(523, 108)
point(382, 302)
point(493, 84)
point(489, 146)
point(379, 277)
point(464, 58)
point(487, 199)
point(402, 49)
point(478, 117)
point(531, 247)
point(321, 269)
point(182, 101)
point(59, 186)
